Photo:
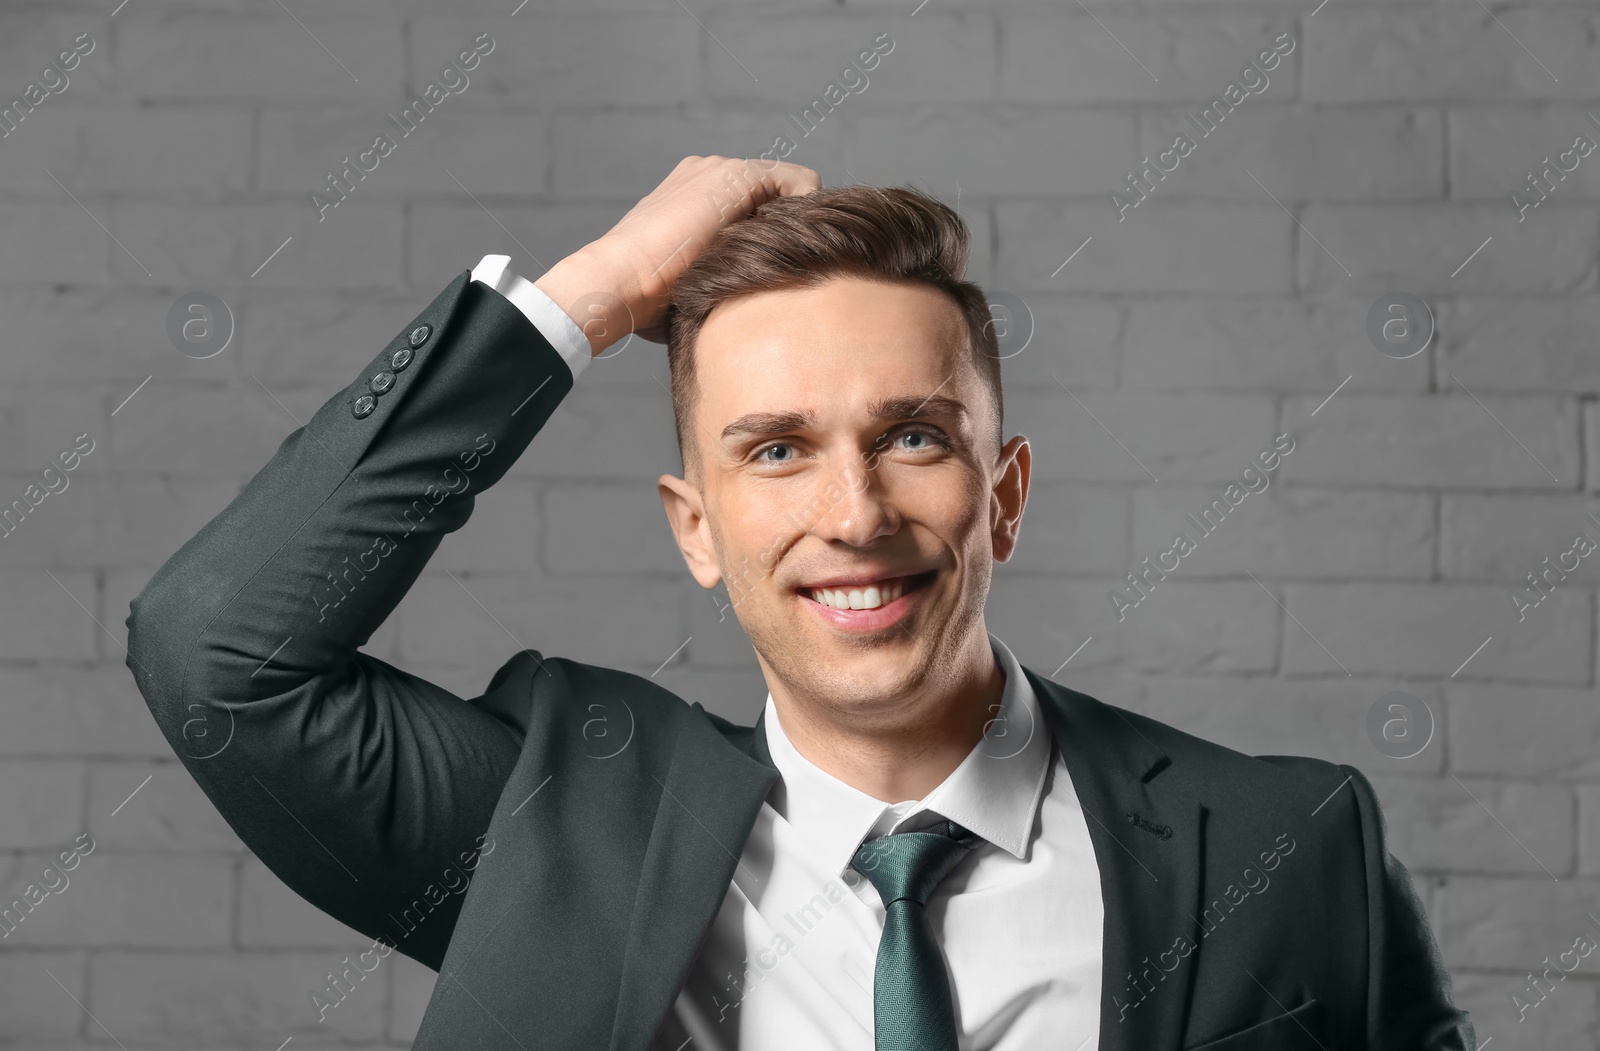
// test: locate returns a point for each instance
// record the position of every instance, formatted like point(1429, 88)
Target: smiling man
point(920, 844)
point(887, 498)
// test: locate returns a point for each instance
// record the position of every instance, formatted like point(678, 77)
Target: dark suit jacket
point(1249, 901)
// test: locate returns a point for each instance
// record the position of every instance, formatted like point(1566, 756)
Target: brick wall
point(1228, 307)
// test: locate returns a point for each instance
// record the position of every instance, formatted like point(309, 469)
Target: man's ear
point(1010, 496)
point(686, 514)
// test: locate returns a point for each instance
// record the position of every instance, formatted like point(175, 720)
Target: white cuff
point(553, 323)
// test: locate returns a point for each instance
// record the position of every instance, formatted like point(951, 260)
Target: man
point(920, 844)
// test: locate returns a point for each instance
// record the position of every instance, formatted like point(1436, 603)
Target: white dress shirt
point(789, 958)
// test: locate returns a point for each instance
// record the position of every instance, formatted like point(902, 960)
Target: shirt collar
point(995, 791)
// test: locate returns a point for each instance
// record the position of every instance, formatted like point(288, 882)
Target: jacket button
point(381, 382)
point(364, 405)
point(400, 359)
point(419, 335)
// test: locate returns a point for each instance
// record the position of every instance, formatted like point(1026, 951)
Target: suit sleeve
point(1408, 989)
point(550, 319)
point(364, 788)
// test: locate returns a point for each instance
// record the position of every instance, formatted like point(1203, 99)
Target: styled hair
point(803, 240)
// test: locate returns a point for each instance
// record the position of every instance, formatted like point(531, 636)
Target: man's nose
point(857, 507)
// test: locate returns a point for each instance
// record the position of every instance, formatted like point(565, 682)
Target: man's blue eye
point(928, 439)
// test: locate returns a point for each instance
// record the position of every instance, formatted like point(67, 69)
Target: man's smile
point(865, 603)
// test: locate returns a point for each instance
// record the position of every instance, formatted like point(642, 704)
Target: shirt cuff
point(553, 323)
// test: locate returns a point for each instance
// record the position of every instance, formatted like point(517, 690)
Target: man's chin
point(858, 691)
point(862, 669)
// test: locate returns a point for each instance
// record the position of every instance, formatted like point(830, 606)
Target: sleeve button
point(400, 359)
point(364, 405)
point(381, 382)
point(419, 335)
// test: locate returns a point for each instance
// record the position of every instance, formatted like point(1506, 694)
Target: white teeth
point(870, 597)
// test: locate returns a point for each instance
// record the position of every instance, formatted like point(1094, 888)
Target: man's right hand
point(621, 282)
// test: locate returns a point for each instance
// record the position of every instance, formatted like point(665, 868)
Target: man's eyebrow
point(756, 424)
point(899, 407)
point(909, 407)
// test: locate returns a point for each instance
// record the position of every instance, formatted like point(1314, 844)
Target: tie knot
point(907, 866)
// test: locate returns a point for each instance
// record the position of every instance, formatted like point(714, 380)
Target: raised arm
point(355, 782)
point(358, 784)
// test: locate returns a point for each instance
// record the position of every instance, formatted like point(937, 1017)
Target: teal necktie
point(911, 1008)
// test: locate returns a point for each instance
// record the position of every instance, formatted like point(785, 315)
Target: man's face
point(845, 435)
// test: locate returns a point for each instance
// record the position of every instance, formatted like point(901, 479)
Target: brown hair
point(802, 240)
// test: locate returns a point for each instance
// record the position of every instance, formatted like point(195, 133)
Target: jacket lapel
point(708, 804)
point(1149, 880)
